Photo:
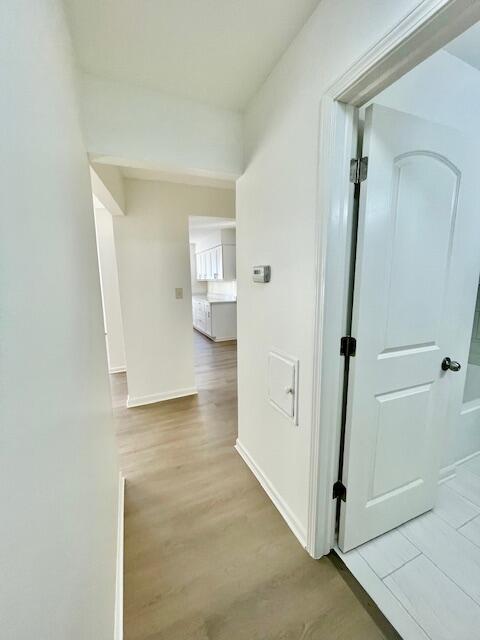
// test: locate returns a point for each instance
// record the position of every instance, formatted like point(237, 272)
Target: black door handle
point(450, 365)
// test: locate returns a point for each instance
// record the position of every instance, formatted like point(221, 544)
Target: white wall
point(107, 186)
point(58, 470)
point(107, 260)
point(214, 237)
point(276, 205)
point(145, 128)
point(152, 244)
point(421, 92)
point(227, 288)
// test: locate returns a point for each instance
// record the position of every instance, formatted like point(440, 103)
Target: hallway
point(207, 555)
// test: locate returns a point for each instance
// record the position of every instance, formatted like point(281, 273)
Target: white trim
point(467, 458)
point(447, 473)
point(450, 471)
point(388, 604)
point(470, 407)
point(212, 338)
point(160, 397)
point(419, 34)
point(273, 494)
point(335, 194)
point(118, 628)
point(121, 369)
point(427, 28)
point(207, 335)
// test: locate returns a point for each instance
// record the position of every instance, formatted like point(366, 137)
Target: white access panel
point(283, 384)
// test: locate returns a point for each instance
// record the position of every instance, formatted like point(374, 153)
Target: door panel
point(424, 205)
point(415, 243)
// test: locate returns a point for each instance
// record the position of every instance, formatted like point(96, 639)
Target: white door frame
point(425, 30)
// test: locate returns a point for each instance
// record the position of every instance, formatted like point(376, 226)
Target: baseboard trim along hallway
point(273, 494)
point(118, 630)
point(117, 370)
point(160, 397)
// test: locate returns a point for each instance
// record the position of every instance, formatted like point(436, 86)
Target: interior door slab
point(416, 274)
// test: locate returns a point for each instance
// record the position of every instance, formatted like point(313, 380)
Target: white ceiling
point(213, 51)
point(201, 226)
point(192, 178)
point(467, 46)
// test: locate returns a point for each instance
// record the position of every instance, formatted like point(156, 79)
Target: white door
point(415, 281)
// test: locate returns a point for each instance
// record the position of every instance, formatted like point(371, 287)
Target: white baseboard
point(122, 369)
point(467, 458)
point(118, 629)
point(296, 527)
point(160, 397)
point(451, 470)
point(213, 338)
point(446, 473)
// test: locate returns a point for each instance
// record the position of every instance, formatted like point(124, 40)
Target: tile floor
point(425, 575)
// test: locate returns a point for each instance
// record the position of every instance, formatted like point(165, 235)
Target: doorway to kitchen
point(214, 287)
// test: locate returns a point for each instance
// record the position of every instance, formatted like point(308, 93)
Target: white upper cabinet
point(208, 265)
point(198, 263)
point(216, 257)
point(217, 263)
point(228, 262)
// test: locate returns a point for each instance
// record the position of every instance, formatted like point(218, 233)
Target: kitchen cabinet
point(217, 263)
point(198, 262)
point(217, 319)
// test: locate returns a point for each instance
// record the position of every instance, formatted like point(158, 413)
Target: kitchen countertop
point(213, 298)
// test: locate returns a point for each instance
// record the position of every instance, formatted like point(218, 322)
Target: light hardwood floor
point(207, 555)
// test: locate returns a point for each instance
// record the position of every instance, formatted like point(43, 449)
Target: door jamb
point(421, 33)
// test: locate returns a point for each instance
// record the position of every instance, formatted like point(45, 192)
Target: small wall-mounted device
point(261, 273)
point(283, 384)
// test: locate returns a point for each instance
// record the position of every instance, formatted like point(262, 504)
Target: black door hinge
point(348, 346)
point(358, 170)
point(339, 491)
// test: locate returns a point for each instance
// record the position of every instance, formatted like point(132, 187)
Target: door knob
point(450, 365)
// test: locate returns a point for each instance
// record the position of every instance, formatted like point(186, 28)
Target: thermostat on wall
point(261, 273)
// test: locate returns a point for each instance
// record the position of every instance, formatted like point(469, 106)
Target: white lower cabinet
point(217, 320)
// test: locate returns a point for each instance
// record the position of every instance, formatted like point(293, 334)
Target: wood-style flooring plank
point(388, 552)
point(467, 484)
point(453, 507)
point(450, 551)
point(471, 530)
point(207, 555)
point(472, 465)
point(443, 610)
